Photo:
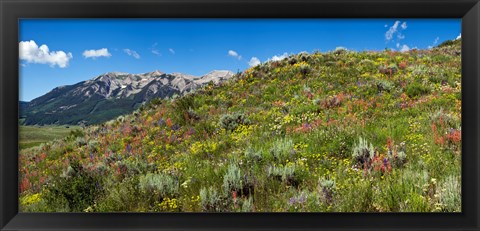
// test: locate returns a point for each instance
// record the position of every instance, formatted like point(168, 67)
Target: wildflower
point(234, 195)
point(169, 123)
point(191, 131)
point(292, 201)
point(161, 122)
point(175, 127)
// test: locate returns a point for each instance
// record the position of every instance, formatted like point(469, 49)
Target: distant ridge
point(110, 95)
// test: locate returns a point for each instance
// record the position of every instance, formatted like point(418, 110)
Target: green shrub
point(327, 187)
point(384, 85)
point(231, 121)
point(415, 89)
point(286, 174)
point(76, 190)
point(282, 150)
point(447, 43)
point(159, 185)
point(247, 205)
point(363, 152)
point(252, 155)
point(211, 200)
point(77, 133)
point(451, 194)
point(232, 181)
point(121, 196)
point(388, 70)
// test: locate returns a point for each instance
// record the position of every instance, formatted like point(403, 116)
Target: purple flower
point(302, 199)
point(292, 201)
point(306, 125)
point(161, 122)
point(175, 127)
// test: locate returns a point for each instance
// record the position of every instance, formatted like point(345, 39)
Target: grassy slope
point(281, 136)
point(30, 136)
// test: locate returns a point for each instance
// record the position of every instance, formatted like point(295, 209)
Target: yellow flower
point(30, 199)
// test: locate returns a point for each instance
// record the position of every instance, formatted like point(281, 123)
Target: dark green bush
point(447, 43)
point(416, 89)
point(77, 189)
point(232, 121)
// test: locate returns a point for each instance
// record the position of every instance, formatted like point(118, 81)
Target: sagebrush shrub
point(211, 200)
point(158, 184)
point(231, 121)
point(327, 187)
point(282, 150)
point(232, 181)
point(286, 174)
point(451, 193)
point(363, 152)
point(384, 85)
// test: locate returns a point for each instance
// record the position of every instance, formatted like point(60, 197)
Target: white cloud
point(154, 50)
point(394, 29)
point(340, 48)
point(254, 61)
point(234, 54)
point(386, 26)
point(404, 48)
point(96, 53)
point(459, 36)
point(30, 52)
point(132, 53)
point(435, 42)
point(171, 50)
point(278, 58)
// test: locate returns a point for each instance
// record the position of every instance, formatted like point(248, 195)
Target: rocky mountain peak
point(103, 92)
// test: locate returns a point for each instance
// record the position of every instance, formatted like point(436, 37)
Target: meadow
point(341, 131)
point(30, 136)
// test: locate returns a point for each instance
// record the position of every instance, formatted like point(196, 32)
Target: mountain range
point(109, 95)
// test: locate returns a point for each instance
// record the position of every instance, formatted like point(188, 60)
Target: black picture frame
point(13, 10)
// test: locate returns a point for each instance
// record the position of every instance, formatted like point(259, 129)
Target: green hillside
point(341, 131)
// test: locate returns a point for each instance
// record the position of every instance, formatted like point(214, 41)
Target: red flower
point(234, 195)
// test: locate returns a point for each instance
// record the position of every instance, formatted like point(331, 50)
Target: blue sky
point(56, 52)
